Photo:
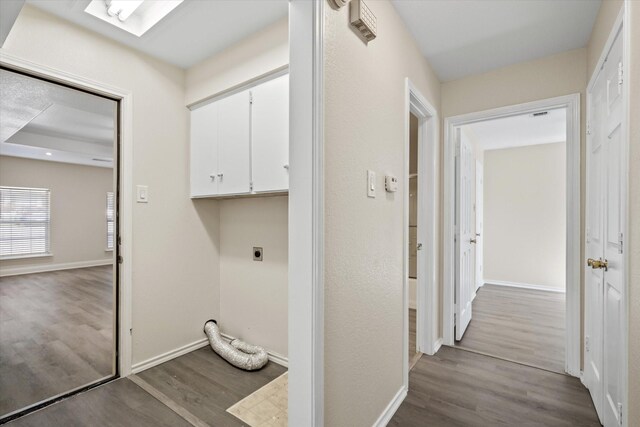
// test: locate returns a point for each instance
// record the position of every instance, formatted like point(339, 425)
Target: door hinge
point(620, 243)
point(588, 128)
point(586, 344)
point(620, 413)
point(620, 75)
point(120, 259)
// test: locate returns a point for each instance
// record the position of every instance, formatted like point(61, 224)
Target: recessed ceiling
point(465, 37)
point(521, 130)
point(191, 33)
point(38, 117)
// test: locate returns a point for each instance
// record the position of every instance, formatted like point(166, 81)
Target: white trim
point(426, 284)
point(26, 256)
point(43, 268)
point(437, 345)
point(523, 286)
point(306, 213)
point(126, 189)
point(391, 408)
point(572, 104)
point(273, 356)
point(188, 348)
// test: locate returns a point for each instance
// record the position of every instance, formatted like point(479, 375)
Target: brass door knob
point(598, 263)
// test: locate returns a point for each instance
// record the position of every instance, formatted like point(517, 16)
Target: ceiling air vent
point(541, 113)
point(102, 160)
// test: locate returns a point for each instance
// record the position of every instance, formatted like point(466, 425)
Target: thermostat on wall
point(390, 183)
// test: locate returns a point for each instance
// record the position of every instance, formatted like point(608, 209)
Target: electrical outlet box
point(142, 194)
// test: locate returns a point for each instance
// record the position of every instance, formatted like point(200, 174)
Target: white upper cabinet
point(204, 151)
point(234, 144)
point(270, 136)
point(240, 143)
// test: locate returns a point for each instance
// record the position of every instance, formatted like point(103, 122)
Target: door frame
point(573, 237)
point(124, 180)
point(619, 27)
point(306, 214)
point(426, 284)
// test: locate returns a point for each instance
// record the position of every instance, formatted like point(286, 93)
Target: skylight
point(133, 16)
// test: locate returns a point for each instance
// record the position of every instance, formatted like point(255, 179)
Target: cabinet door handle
point(213, 177)
point(286, 167)
point(220, 175)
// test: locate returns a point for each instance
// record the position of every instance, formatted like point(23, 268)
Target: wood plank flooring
point(460, 388)
point(205, 385)
point(118, 403)
point(56, 333)
point(521, 325)
point(192, 390)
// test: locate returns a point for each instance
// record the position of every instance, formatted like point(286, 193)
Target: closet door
point(270, 135)
point(234, 141)
point(204, 151)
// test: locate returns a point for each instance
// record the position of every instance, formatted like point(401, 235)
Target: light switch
point(371, 183)
point(142, 194)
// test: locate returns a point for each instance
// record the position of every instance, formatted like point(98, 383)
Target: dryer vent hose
point(238, 353)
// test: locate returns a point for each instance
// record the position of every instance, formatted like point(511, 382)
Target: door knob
point(472, 241)
point(598, 264)
point(419, 247)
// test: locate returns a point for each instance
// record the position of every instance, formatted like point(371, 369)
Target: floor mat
point(265, 407)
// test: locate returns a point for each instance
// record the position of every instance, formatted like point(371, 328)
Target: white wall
point(525, 215)
point(253, 294)
point(175, 255)
point(78, 210)
point(364, 89)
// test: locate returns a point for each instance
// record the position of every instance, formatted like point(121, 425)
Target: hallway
point(460, 388)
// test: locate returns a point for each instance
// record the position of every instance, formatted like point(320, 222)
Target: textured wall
point(365, 129)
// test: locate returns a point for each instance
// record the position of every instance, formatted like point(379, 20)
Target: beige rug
point(266, 406)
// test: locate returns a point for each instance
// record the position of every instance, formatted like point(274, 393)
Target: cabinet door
point(270, 135)
point(204, 151)
point(234, 142)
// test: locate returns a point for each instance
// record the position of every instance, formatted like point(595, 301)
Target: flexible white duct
point(238, 353)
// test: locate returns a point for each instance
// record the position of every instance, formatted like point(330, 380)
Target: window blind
point(110, 219)
point(25, 221)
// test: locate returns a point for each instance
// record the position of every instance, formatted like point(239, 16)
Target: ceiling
point(465, 37)
point(191, 33)
point(38, 117)
point(519, 131)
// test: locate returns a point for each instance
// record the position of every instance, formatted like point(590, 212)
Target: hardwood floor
point(205, 385)
point(56, 334)
point(118, 403)
point(521, 325)
point(460, 388)
point(192, 390)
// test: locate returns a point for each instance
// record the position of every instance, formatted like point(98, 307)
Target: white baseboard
point(172, 354)
point(165, 357)
point(523, 285)
point(273, 356)
point(391, 408)
point(43, 268)
point(437, 345)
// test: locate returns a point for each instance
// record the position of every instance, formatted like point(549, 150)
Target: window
point(110, 220)
point(25, 221)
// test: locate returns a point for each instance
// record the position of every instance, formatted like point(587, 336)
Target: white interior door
point(605, 293)
point(270, 135)
point(465, 219)
point(234, 144)
point(204, 150)
point(479, 222)
point(614, 291)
